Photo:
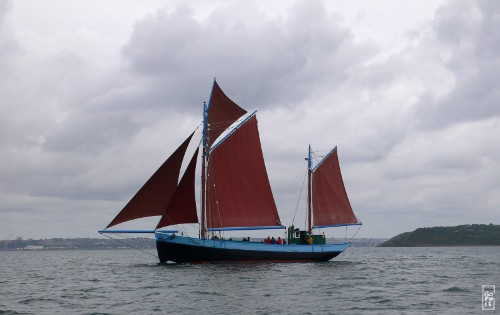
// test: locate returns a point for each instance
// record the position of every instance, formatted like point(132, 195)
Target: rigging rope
point(359, 227)
point(124, 243)
point(315, 157)
point(218, 217)
point(300, 195)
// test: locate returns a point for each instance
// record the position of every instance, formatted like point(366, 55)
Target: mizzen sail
point(153, 198)
point(238, 190)
point(331, 205)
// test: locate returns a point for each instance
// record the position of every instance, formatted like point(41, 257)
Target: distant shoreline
point(110, 244)
point(76, 244)
point(470, 235)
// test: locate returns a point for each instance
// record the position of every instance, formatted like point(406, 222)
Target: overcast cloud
point(94, 96)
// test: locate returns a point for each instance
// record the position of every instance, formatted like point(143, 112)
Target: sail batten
point(331, 206)
point(231, 132)
point(246, 228)
point(336, 225)
point(154, 196)
point(238, 187)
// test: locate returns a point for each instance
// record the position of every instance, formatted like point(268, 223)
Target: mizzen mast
point(309, 193)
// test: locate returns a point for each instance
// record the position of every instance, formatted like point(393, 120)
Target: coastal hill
point(461, 235)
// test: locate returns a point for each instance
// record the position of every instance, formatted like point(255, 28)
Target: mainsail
point(182, 207)
point(331, 205)
point(153, 198)
point(238, 189)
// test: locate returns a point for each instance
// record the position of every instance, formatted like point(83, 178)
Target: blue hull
point(194, 250)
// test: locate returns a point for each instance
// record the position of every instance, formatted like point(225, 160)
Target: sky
point(95, 95)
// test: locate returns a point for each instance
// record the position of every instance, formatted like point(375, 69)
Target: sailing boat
point(235, 195)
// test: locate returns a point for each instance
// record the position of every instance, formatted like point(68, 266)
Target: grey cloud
point(464, 32)
point(6, 41)
point(259, 62)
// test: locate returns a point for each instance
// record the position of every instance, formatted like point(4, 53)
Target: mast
point(202, 226)
point(218, 115)
point(309, 202)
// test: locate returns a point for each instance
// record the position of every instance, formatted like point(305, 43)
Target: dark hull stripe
point(183, 253)
point(252, 261)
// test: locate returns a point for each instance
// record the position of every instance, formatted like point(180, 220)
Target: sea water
point(362, 280)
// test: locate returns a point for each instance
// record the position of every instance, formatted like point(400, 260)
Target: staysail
point(182, 207)
point(331, 206)
point(153, 198)
point(238, 189)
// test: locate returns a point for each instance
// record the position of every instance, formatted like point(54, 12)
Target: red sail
point(152, 199)
point(330, 202)
point(222, 112)
point(182, 206)
point(239, 192)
